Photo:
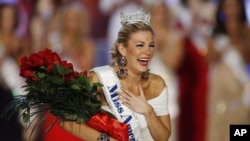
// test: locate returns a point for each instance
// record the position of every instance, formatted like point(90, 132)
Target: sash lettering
point(111, 85)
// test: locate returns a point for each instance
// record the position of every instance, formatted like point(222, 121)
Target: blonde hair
point(83, 15)
point(124, 35)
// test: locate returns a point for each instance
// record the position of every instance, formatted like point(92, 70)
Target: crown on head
point(139, 16)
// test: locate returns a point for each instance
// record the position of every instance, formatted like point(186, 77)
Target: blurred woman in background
point(193, 73)
point(11, 49)
point(228, 55)
point(41, 21)
point(71, 39)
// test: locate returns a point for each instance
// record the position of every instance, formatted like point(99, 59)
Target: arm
point(83, 131)
point(212, 55)
point(159, 126)
point(80, 130)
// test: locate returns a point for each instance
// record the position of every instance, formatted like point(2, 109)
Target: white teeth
point(143, 59)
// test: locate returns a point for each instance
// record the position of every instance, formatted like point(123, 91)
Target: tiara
point(139, 16)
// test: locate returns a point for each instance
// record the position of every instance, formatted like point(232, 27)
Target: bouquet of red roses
point(53, 85)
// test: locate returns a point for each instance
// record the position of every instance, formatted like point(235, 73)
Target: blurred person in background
point(12, 48)
point(167, 57)
point(72, 42)
point(44, 15)
point(42, 20)
point(193, 72)
point(228, 56)
point(98, 19)
point(71, 39)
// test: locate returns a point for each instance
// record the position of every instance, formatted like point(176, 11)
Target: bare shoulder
point(93, 77)
point(155, 86)
point(157, 81)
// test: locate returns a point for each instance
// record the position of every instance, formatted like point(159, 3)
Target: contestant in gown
point(228, 54)
point(141, 94)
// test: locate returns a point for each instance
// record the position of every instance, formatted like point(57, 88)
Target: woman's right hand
point(78, 128)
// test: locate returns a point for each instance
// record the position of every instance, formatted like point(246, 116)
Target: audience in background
point(228, 56)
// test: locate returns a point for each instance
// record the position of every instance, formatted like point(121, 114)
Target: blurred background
point(203, 54)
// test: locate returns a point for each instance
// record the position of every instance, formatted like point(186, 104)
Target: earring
point(145, 74)
point(122, 72)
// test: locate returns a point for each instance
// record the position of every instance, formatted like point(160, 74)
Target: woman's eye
point(152, 46)
point(139, 45)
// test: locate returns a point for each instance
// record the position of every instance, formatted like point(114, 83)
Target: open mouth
point(143, 61)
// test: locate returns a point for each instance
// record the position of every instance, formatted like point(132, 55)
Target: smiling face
point(139, 51)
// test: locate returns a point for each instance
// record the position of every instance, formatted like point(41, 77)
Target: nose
point(148, 50)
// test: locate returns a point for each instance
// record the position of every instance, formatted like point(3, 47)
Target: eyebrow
point(140, 42)
point(144, 42)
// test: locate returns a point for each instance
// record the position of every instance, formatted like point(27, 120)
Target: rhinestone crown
point(139, 16)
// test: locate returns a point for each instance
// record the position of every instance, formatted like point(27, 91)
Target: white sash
point(111, 85)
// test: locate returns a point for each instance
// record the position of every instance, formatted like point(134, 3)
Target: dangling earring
point(122, 72)
point(145, 74)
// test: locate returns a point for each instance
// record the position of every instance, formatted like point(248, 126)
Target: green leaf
point(75, 87)
point(75, 82)
point(59, 69)
point(66, 70)
point(41, 75)
point(54, 70)
point(43, 67)
point(26, 117)
point(80, 120)
point(84, 81)
point(98, 84)
point(56, 80)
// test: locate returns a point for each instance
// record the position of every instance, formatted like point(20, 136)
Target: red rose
point(49, 67)
point(35, 60)
point(44, 53)
point(78, 74)
point(53, 58)
point(26, 73)
point(23, 62)
point(70, 76)
point(85, 73)
point(65, 64)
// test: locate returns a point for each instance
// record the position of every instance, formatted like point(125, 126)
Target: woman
point(12, 48)
point(228, 56)
point(71, 39)
point(142, 95)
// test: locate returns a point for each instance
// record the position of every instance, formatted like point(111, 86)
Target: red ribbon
point(106, 124)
